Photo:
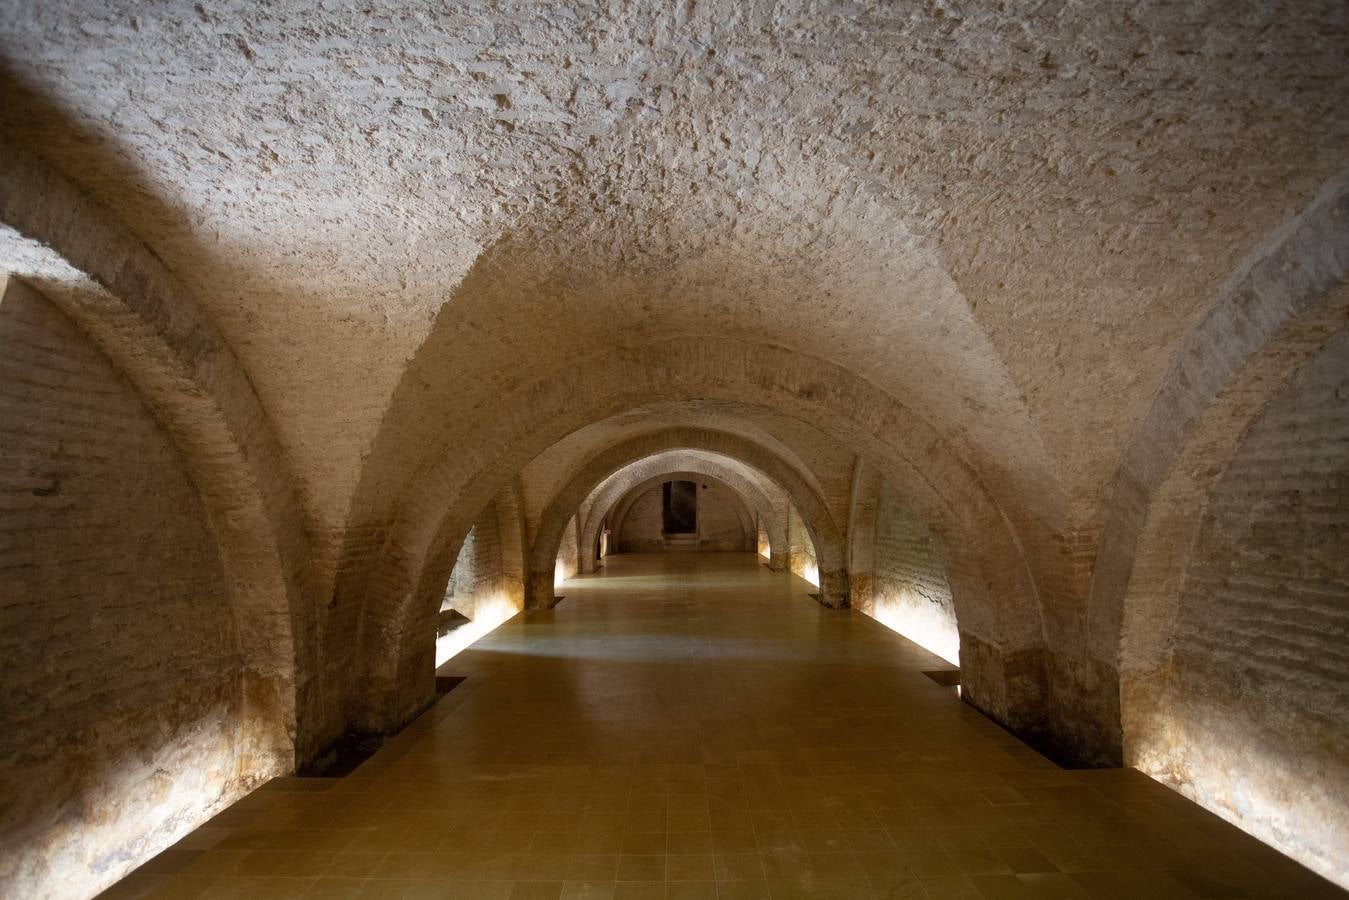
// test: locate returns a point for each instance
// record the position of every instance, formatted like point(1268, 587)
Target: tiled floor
point(689, 727)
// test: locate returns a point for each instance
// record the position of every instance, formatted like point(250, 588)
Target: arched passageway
point(816, 518)
point(1018, 332)
point(763, 499)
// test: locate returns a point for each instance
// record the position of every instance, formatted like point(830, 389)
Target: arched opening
point(596, 477)
point(802, 558)
point(160, 524)
point(566, 562)
point(757, 502)
point(459, 606)
point(715, 517)
point(1211, 587)
point(102, 780)
point(482, 589)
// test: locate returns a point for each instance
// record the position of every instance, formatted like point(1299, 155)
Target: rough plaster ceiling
point(1005, 222)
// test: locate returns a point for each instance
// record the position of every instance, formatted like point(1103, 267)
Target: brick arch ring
point(649, 472)
point(824, 532)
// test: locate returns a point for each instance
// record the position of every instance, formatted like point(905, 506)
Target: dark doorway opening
point(680, 509)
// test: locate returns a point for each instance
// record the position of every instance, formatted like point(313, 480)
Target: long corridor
point(694, 727)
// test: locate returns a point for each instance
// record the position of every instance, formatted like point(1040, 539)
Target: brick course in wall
point(121, 675)
point(801, 555)
point(1254, 721)
point(910, 592)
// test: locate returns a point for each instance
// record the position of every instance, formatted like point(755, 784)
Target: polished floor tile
point(694, 727)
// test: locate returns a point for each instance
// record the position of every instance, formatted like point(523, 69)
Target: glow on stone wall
point(918, 619)
point(910, 593)
point(567, 564)
point(1250, 781)
point(489, 613)
point(801, 555)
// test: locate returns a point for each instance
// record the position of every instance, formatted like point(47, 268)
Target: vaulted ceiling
point(1005, 225)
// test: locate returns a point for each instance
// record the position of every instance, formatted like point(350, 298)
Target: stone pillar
point(834, 589)
point(539, 591)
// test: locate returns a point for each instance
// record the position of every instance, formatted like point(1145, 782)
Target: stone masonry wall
point(568, 556)
point(720, 523)
point(1255, 718)
point(121, 680)
point(462, 585)
point(800, 549)
point(910, 591)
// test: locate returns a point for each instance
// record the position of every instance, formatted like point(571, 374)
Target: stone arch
point(1001, 627)
point(606, 494)
point(119, 293)
point(619, 511)
point(823, 530)
point(1278, 310)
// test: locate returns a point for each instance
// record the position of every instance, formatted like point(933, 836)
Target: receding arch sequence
point(996, 597)
point(824, 531)
point(651, 470)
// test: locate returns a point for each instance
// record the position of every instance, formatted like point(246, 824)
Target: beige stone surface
point(367, 278)
point(722, 522)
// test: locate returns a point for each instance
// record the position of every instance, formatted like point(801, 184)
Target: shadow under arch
point(649, 472)
point(824, 532)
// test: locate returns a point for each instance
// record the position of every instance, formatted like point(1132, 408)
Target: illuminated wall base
point(918, 619)
point(489, 614)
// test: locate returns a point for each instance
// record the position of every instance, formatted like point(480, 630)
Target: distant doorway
point(680, 508)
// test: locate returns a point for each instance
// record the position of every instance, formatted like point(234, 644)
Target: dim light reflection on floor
point(555, 736)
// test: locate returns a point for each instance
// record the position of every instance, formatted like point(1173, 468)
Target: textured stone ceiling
point(1005, 222)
